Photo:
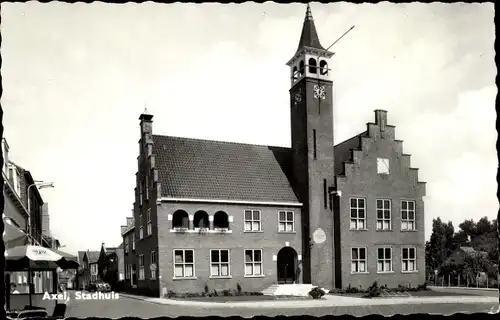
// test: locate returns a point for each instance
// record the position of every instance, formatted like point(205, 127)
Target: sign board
point(275, 257)
point(319, 236)
point(153, 267)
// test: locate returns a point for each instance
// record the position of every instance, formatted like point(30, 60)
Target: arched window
point(295, 75)
point(221, 220)
point(301, 68)
point(180, 219)
point(200, 219)
point(312, 65)
point(323, 67)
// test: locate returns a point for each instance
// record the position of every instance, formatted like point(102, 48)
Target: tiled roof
point(203, 169)
point(80, 256)
point(93, 256)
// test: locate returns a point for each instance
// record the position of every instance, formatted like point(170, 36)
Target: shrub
point(170, 294)
point(238, 287)
point(402, 288)
point(336, 290)
point(215, 293)
point(316, 293)
point(373, 290)
point(226, 293)
point(352, 289)
point(422, 287)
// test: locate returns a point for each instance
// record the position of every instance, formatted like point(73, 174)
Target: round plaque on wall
point(319, 236)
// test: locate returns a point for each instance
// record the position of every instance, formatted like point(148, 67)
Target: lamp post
point(39, 185)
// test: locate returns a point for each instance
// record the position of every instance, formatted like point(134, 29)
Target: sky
point(76, 77)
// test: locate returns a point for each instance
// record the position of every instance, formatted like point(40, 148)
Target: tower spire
point(309, 37)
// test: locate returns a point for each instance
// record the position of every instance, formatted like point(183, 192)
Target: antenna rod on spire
point(340, 37)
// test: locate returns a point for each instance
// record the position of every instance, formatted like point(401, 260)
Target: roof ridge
point(219, 141)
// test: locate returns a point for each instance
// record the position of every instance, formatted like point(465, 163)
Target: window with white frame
point(141, 222)
point(153, 262)
point(382, 166)
point(358, 260)
point(358, 213)
point(383, 214)
point(127, 271)
point(125, 239)
point(133, 241)
point(253, 262)
point(140, 193)
point(384, 259)
point(147, 187)
point(407, 215)
point(141, 267)
point(148, 222)
point(286, 221)
point(409, 259)
point(252, 220)
point(219, 263)
point(184, 263)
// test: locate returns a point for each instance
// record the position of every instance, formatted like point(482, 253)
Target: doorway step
point(295, 290)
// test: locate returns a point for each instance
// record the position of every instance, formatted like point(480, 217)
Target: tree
point(440, 245)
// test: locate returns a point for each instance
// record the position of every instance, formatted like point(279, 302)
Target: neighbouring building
point(83, 277)
point(18, 216)
point(223, 214)
point(111, 265)
point(129, 257)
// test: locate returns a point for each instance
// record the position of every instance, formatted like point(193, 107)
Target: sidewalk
point(328, 301)
point(462, 288)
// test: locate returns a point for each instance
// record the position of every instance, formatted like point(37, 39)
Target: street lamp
point(39, 185)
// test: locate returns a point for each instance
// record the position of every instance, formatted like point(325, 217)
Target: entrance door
point(287, 265)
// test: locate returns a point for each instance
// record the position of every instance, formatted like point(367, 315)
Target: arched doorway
point(287, 265)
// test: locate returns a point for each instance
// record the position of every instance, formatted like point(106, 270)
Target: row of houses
point(105, 265)
point(26, 220)
point(223, 214)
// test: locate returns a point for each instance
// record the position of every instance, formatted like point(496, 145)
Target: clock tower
point(312, 148)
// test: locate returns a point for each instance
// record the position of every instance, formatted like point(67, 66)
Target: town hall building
point(221, 215)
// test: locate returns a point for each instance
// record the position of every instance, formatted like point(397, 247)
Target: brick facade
point(361, 180)
point(317, 178)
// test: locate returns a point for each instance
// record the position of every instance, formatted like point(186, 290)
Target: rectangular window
point(219, 263)
point(252, 220)
point(409, 259)
point(141, 223)
point(148, 222)
point(127, 271)
point(153, 265)
point(140, 193)
point(133, 241)
point(358, 260)
point(383, 214)
point(325, 194)
point(141, 267)
point(286, 221)
point(314, 144)
point(184, 263)
point(382, 166)
point(253, 262)
point(408, 215)
point(384, 260)
point(125, 239)
point(358, 217)
point(147, 187)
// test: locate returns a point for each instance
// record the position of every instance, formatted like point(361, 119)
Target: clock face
point(298, 96)
point(319, 92)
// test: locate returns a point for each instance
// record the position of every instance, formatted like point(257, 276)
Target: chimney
point(381, 119)
point(130, 221)
point(146, 123)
